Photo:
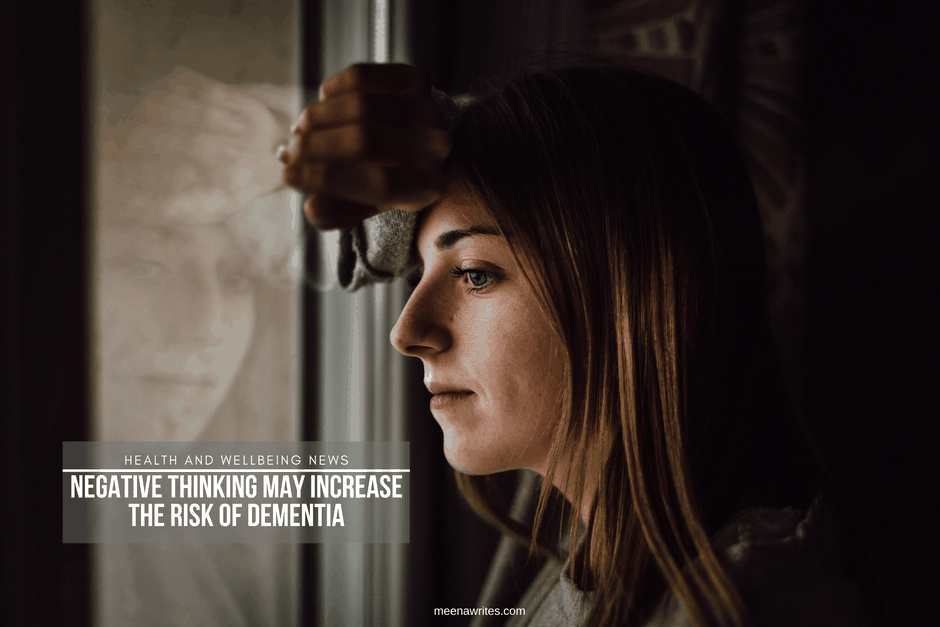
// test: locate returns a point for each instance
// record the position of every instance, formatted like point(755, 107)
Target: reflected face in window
point(175, 309)
point(490, 356)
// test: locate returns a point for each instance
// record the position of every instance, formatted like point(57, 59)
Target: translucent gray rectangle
point(221, 492)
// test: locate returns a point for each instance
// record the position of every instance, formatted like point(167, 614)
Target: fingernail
point(282, 154)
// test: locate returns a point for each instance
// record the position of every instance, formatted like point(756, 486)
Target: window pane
point(196, 290)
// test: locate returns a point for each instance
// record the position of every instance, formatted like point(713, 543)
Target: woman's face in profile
point(490, 356)
point(175, 309)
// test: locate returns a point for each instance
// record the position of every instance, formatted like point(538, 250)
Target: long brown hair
point(627, 204)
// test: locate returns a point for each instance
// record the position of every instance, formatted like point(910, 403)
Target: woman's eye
point(478, 279)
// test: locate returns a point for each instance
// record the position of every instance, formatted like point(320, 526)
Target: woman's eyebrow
point(447, 239)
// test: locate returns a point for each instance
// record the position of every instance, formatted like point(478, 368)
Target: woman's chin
point(468, 461)
point(460, 467)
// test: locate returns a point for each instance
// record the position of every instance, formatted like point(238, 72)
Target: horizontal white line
point(168, 469)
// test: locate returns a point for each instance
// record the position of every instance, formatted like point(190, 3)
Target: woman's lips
point(446, 400)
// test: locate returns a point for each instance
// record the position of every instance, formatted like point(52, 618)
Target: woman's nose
point(195, 315)
point(422, 328)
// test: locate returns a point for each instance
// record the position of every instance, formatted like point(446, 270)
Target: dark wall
point(871, 375)
point(43, 381)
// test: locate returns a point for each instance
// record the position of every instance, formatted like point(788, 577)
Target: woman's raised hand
point(372, 143)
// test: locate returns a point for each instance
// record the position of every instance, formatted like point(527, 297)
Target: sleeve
point(379, 248)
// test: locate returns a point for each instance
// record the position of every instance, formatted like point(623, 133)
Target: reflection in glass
point(195, 279)
point(177, 310)
point(192, 227)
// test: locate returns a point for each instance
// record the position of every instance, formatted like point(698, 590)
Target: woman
point(592, 306)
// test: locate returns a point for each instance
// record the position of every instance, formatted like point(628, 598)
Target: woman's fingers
point(327, 213)
point(377, 145)
point(366, 108)
point(409, 188)
point(372, 142)
point(377, 78)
